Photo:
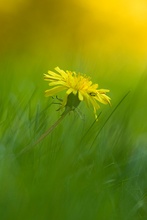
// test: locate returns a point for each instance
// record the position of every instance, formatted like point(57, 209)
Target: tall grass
point(83, 169)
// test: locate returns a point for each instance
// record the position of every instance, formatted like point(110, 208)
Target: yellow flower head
point(78, 88)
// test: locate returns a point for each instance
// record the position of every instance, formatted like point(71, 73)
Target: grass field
point(83, 169)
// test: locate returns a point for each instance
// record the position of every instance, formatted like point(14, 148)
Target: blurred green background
point(83, 170)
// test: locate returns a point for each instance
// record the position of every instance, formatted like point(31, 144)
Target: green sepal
point(72, 101)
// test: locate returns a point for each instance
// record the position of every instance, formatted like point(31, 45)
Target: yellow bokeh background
point(103, 33)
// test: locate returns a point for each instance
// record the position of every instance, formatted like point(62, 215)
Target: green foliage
point(83, 169)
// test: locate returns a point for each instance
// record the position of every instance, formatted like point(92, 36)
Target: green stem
point(67, 110)
point(52, 127)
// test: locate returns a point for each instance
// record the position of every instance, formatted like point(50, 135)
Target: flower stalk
point(67, 110)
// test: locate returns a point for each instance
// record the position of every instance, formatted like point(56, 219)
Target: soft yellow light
point(11, 6)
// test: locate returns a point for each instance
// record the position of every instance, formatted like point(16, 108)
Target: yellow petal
point(102, 98)
point(62, 72)
point(103, 90)
point(54, 83)
point(53, 91)
point(80, 96)
point(74, 91)
point(70, 90)
point(94, 103)
point(53, 74)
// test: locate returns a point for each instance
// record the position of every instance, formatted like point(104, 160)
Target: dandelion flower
point(78, 88)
